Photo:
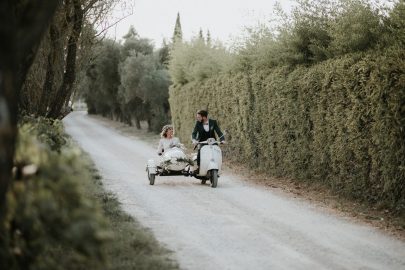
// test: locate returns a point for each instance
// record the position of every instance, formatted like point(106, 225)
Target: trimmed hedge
point(340, 122)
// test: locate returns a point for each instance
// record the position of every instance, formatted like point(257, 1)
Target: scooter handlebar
point(209, 142)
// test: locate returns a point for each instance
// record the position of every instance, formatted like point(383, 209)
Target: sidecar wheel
point(151, 178)
point(203, 182)
point(214, 178)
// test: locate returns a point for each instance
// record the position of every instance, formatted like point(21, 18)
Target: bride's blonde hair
point(165, 129)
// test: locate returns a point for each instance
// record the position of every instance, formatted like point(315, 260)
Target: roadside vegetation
point(54, 213)
point(316, 96)
point(59, 215)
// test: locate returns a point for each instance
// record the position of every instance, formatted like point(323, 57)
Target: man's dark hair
point(203, 113)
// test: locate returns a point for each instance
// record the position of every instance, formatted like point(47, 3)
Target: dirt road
point(235, 226)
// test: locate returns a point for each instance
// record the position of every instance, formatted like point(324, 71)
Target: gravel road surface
point(235, 226)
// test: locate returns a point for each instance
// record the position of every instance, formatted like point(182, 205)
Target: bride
point(167, 140)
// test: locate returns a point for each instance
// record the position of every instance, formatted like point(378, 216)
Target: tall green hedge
point(340, 122)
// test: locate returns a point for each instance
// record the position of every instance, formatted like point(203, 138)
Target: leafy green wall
point(340, 122)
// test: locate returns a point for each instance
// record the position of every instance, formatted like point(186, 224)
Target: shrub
point(50, 224)
point(49, 132)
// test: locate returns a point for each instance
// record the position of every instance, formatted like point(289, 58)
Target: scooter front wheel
point(214, 178)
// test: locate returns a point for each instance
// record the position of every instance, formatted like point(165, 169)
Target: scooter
point(210, 162)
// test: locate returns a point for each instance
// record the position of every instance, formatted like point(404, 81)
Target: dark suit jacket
point(199, 133)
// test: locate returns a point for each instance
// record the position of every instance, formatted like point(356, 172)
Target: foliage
point(128, 81)
point(340, 122)
point(60, 217)
point(357, 28)
point(395, 24)
point(48, 214)
point(178, 33)
point(196, 60)
point(311, 100)
point(144, 83)
point(132, 71)
point(133, 44)
point(100, 82)
point(63, 53)
point(316, 31)
point(49, 132)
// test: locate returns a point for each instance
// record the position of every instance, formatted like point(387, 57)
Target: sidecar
point(174, 161)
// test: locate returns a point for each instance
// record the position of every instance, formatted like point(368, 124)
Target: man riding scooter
point(204, 129)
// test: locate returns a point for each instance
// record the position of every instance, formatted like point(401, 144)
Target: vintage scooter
point(210, 162)
point(176, 162)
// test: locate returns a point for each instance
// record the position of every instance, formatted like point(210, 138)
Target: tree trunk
point(149, 124)
point(138, 123)
point(50, 72)
point(69, 76)
point(21, 29)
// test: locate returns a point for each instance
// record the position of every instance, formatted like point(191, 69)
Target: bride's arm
point(160, 147)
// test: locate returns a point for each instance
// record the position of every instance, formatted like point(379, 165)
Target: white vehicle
point(176, 162)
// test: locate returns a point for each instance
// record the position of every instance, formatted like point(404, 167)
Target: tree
point(208, 38)
point(134, 44)
point(177, 33)
point(357, 28)
point(69, 76)
point(100, 81)
point(156, 85)
point(51, 84)
point(128, 81)
point(133, 70)
point(22, 24)
point(195, 61)
point(163, 54)
point(201, 35)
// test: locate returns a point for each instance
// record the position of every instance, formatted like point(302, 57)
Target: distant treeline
point(320, 97)
point(128, 82)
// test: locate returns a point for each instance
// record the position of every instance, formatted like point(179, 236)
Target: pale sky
point(155, 19)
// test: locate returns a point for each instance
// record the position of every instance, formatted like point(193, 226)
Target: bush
point(49, 132)
point(50, 224)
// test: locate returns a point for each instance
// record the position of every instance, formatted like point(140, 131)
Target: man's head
point(202, 115)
